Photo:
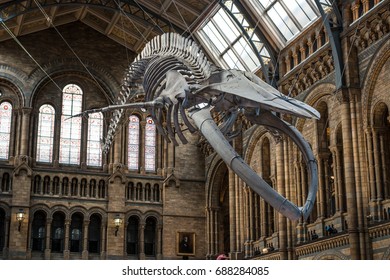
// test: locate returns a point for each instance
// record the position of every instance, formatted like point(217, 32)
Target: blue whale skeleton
point(179, 85)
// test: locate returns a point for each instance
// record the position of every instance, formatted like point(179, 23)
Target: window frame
point(89, 141)
point(229, 45)
point(262, 12)
point(65, 117)
point(52, 136)
point(9, 124)
point(136, 145)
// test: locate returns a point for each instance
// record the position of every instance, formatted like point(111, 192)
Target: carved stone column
point(103, 246)
point(287, 63)
point(383, 164)
point(24, 137)
point(355, 10)
point(216, 231)
point(232, 211)
point(159, 242)
point(142, 241)
point(377, 164)
point(280, 181)
point(295, 58)
point(84, 254)
point(47, 239)
point(303, 52)
point(366, 5)
point(338, 180)
point(208, 233)
point(310, 46)
point(321, 189)
point(350, 179)
point(66, 252)
point(239, 218)
point(371, 167)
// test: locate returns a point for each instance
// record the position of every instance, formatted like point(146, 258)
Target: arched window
point(130, 191)
point(6, 183)
point(150, 236)
point(45, 133)
point(95, 133)
point(37, 184)
point(5, 128)
point(65, 186)
point(83, 187)
point(133, 143)
point(38, 231)
point(76, 233)
point(150, 145)
point(57, 237)
point(46, 185)
point(94, 234)
point(92, 188)
point(132, 236)
point(70, 139)
point(102, 189)
point(74, 187)
point(56, 185)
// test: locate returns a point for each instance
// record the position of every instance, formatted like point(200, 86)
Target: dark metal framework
point(248, 32)
point(333, 25)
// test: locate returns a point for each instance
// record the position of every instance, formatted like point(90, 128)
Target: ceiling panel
point(131, 23)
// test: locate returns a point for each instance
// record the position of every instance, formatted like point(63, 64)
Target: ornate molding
point(323, 245)
point(331, 255)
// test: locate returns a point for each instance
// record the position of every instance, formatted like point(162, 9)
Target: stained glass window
point(45, 133)
point(133, 143)
point(70, 139)
point(150, 145)
point(5, 128)
point(95, 133)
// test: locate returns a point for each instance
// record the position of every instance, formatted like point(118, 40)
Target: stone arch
point(97, 211)
point(320, 92)
point(330, 255)
point(6, 208)
point(133, 212)
point(40, 207)
point(217, 169)
point(217, 211)
point(253, 140)
point(379, 109)
point(11, 94)
point(13, 80)
point(152, 214)
point(377, 63)
point(79, 209)
point(59, 208)
point(61, 67)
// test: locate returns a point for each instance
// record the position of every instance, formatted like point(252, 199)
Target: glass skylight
point(228, 40)
point(287, 18)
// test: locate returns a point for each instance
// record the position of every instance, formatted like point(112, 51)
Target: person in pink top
point(222, 256)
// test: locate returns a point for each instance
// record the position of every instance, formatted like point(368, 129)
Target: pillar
point(48, 239)
point(280, 181)
point(350, 180)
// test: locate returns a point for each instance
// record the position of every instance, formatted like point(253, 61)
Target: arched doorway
point(217, 211)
